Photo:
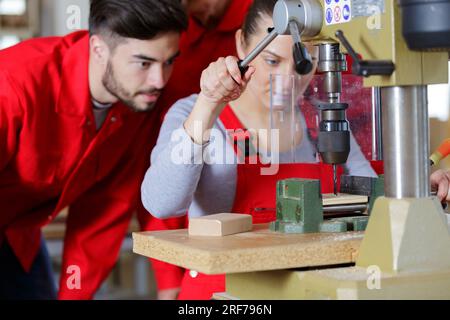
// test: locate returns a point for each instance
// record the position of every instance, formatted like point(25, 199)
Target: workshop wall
point(439, 108)
point(60, 17)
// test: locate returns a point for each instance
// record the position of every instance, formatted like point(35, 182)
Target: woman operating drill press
point(190, 171)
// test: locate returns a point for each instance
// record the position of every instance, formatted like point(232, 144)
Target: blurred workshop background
point(132, 277)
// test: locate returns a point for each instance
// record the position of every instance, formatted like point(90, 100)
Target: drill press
point(407, 237)
point(334, 134)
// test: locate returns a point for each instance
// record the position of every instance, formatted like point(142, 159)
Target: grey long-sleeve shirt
point(178, 181)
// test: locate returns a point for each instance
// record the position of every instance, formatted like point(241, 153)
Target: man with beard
point(77, 123)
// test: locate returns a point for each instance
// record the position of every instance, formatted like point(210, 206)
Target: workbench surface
point(258, 250)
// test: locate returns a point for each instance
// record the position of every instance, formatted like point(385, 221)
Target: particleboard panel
point(329, 199)
point(258, 250)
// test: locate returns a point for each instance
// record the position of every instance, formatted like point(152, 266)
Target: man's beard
point(114, 87)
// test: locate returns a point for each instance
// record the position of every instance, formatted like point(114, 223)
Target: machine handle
point(303, 64)
point(242, 68)
point(302, 59)
point(366, 68)
point(441, 152)
point(243, 64)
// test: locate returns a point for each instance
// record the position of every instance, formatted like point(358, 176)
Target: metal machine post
point(406, 142)
point(377, 136)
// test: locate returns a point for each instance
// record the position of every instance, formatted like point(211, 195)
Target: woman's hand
point(220, 83)
point(440, 182)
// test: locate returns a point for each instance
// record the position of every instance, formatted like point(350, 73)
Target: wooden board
point(258, 250)
point(330, 199)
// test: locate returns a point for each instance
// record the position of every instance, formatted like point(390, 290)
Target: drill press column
point(406, 142)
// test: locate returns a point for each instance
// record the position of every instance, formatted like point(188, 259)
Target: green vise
point(299, 206)
point(366, 186)
point(300, 210)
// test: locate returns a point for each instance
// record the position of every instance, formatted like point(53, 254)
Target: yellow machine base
point(405, 254)
point(350, 283)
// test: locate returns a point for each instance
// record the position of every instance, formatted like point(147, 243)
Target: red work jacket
point(51, 156)
point(199, 47)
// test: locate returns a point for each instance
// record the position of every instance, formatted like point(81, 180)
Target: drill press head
point(334, 134)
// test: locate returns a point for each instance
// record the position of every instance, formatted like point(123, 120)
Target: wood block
point(331, 199)
point(219, 225)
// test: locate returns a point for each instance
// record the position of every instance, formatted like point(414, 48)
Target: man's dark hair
point(137, 19)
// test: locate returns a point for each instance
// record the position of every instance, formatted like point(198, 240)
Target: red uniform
point(51, 156)
point(199, 47)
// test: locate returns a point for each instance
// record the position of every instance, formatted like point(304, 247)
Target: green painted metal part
point(377, 191)
point(367, 186)
point(353, 223)
point(299, 208)
point(333, 226)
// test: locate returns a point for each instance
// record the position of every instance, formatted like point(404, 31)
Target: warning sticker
point(337, 11)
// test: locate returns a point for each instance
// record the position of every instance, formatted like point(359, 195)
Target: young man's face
point(137, 70)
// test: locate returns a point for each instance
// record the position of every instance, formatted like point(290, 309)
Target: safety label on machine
point(337, 11)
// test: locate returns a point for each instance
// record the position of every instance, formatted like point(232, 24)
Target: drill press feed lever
point(289, 17)
point(305, 18)
point(302, 59)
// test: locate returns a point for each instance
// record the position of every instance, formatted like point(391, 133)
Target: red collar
point(231, 21)
point(234, 16)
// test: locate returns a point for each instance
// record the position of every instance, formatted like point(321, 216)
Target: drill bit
point(335, 178)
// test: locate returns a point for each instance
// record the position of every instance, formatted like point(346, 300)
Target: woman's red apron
point(255, 195)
